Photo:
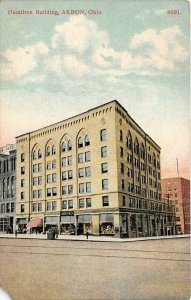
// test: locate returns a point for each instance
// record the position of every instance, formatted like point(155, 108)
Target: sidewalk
point(91, 238)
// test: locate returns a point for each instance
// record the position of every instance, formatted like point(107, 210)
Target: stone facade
point(7, 187)
point(97, 172)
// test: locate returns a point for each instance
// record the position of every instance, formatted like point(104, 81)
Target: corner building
point(98, 171)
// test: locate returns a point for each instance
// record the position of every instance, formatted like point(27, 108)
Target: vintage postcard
point(94, 149)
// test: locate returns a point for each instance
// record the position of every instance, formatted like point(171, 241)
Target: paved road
point(34, 269)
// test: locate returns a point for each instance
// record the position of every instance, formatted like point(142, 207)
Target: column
point(129, 225)
point(117, 224)
point(76, 224)
point(96, 224)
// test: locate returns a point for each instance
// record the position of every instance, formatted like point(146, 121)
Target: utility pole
point(177, 166)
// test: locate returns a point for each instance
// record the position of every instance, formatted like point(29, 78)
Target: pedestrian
point(15, 232)
point(87, 234)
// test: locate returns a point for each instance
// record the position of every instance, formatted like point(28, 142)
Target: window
point(22, 195)
point(121, 136)
point(122, 184)
point(64, 190)
point(70, 189)
point(39, 193)
point(63, 161)
point(176, 209)
point(124, 201)
point(22, 182)
point(64, 175)
point(81, 172)
point(63, 148)
point(129, 141)
point(105, 201)
point(49, 192)
point(81, 203)
point(22, 157)
point(12, 207)
point(103, 135)
point(80, 142)
point(104, 151)
point(175, 195)
point(87, 156)
point(22, 208)
point(53, 150)
point(80, 158)
point(48, 206)
point(70, 174)
point(88, 187)
point(88, 202)
point(39, 167)
point(54, 191)
point(64, 204)
point(48, 151)
point(87, 140)
point(48, 166)
point(54, 177)
point(87, 171)
point(105, 184)
point(122, 168)
point(39, 206)
point(142, 152)
point(104, 168)
point(69, 160)
point(34, 207)
point(39, 180)
point(81, 188)
point(39, 154)
point(136, 147)
point(22, 170)
point(49, 178)
point(53, 165)
point(34, 154)
point(121, 151)
point(70, 204)
point(34, 194)
point(69, 145)
point(129, 158)
point(54, 205)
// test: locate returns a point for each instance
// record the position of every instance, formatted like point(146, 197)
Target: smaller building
point(7, 187)
point(178, 190)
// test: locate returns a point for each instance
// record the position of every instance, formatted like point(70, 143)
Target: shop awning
point(36, 222)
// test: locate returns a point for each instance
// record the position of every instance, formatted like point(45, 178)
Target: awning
point(36, 222)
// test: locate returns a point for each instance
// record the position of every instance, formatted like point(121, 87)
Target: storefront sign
point(67, 213)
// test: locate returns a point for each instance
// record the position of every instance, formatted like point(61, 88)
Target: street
point(36, 269)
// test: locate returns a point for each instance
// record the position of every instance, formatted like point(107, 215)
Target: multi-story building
point(178, 190)
point(7, 186)
point(97, 171)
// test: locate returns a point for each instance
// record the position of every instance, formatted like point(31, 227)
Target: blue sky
point(53, 67)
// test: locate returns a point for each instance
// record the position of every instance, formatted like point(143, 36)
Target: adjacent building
point(178, 190)
point(7, 186)
point(97, 172)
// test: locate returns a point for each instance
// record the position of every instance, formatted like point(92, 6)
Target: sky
point(54, 66)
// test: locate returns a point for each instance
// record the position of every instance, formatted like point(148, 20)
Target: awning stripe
point(36, 222)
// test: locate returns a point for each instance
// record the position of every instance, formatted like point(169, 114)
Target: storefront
point(21, 225)
point(106, 224)
point(36, 225)
point(6, 223)
point(67, 224)
point(84, 224)
point(51, 222)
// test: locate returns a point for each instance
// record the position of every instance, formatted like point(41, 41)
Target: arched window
point(48, 151)
point(103, 135)
point(34, 155)
point(142, 152)
point(87, 140)
point(129, 141)
point(12, 186)
point(69, 145)
point(39, 153)
point(136, 147)
point(80, 142)
point(63, 147)
point(4, 166)
point(8, 181)
point(2, 208)
point(4, 188)
point(53, 150)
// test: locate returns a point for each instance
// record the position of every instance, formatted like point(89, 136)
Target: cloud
point(78, 34)
point(23, 60)
point(149, 13)
point(162, 49)
point(75, 65)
